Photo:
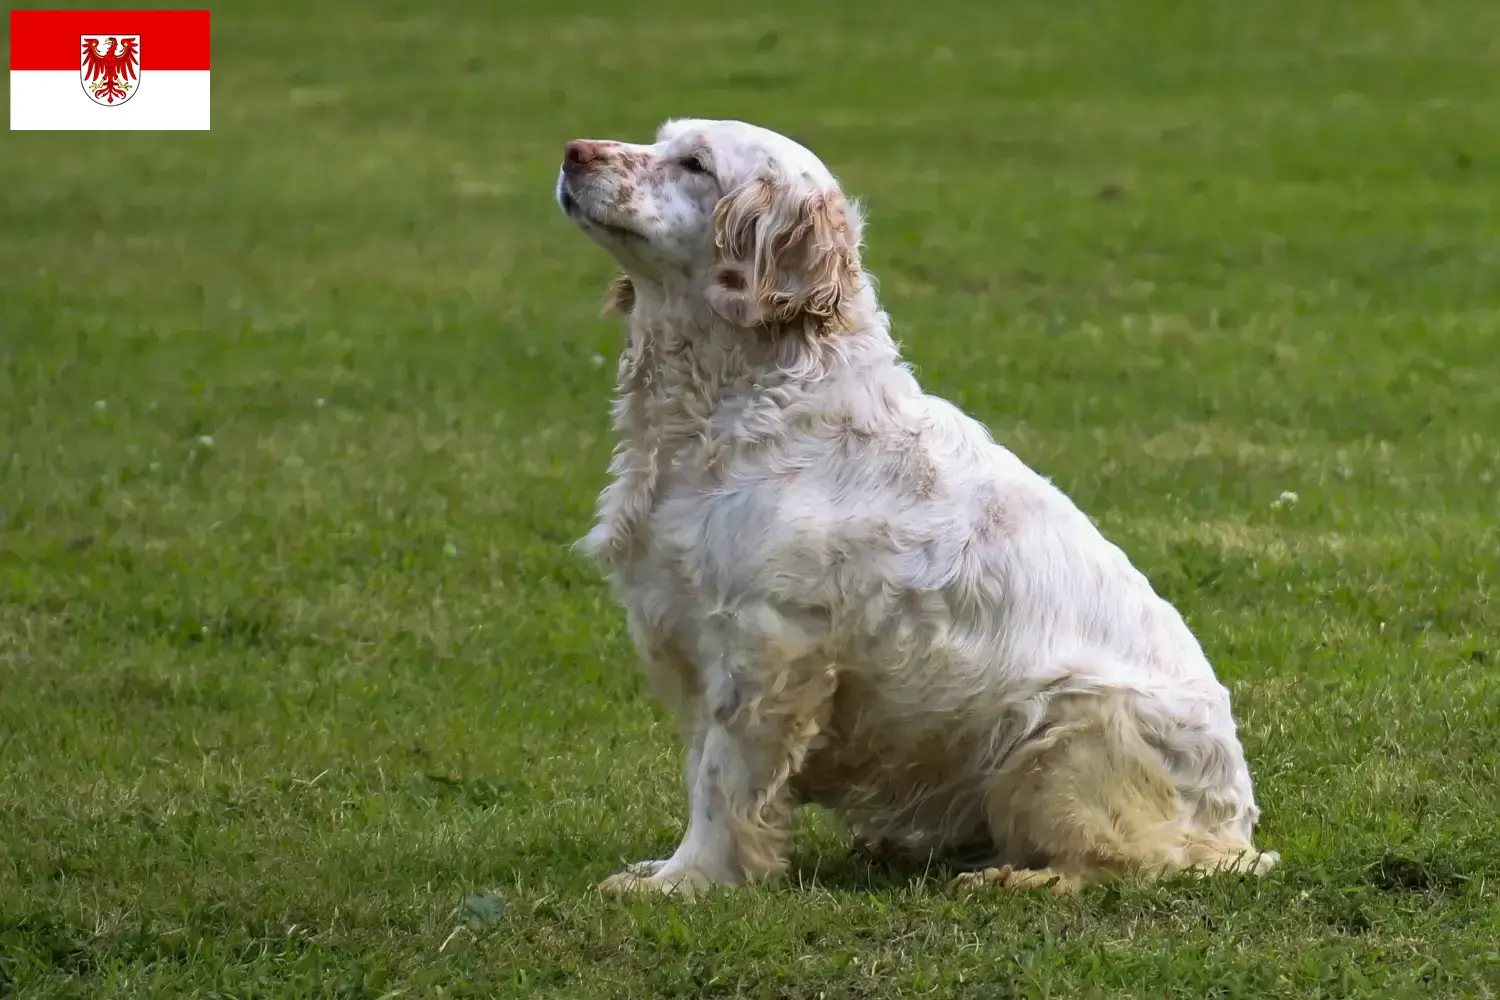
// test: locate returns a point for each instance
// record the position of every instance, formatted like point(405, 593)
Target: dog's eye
point(693, 164)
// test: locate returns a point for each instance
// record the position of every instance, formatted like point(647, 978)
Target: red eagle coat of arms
point(111, 72)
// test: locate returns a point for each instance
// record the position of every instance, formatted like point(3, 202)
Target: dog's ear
point(619, 299)
point(787, 260)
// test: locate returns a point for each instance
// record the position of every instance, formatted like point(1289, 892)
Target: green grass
point(299, 416)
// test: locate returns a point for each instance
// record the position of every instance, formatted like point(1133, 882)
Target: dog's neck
point(682, 364)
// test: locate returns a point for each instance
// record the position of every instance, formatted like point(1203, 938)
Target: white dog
point(844, 589)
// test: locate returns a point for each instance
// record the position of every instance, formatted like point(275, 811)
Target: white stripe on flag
point(168, 101)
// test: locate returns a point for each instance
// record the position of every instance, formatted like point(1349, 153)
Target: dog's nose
point(580, 153)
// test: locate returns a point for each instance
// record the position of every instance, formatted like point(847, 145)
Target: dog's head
point(746, 220)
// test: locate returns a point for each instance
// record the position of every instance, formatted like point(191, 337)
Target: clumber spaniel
point(843, 588)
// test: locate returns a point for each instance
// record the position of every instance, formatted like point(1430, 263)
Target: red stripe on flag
point(51, 39)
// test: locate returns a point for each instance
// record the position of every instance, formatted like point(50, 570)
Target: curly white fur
point(844, 589)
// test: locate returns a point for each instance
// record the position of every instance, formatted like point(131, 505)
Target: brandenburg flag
point(109, 69)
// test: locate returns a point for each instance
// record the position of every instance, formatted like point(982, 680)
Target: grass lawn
point(299, 416)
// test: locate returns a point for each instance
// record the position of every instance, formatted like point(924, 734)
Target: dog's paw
point(1251, 862)
point(1018, 880)
point(656, 877)
point(1263, 862)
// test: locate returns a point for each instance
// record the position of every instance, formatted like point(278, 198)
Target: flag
point(144, 70)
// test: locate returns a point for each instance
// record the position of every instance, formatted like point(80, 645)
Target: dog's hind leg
point(1090, 797)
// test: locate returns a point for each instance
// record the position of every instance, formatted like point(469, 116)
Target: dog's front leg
point(762, 712)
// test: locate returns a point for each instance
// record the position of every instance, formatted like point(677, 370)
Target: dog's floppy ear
point(788, 260)
point(619, 299)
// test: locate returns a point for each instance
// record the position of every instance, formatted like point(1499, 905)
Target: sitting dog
point(844, 590)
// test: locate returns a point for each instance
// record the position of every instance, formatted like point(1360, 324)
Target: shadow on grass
point(857, 869)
